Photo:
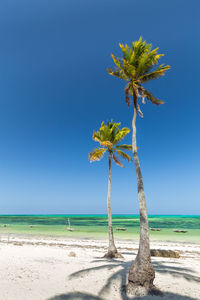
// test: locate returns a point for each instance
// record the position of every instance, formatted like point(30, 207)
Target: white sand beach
point(43, 268)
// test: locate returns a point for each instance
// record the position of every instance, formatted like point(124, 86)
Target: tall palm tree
point(136, 67)
point(108, 137)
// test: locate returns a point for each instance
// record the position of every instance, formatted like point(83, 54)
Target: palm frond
point(160, 71)
point(123, 155)
point(117, 161)
point(117, 61)
point(147, 61)
point(106, 144)
point(124, 147)
point(104, 135)
point(96, 154)
point(121, 134)
point(117, 73)
point(149, 96)
point(125, 50)
point(96, 136)
point(139, 48)
point(129, 70)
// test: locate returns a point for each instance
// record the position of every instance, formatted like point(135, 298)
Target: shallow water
point(95, 226)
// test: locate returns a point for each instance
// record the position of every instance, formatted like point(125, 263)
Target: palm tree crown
point(108, 137)
point(137, 67)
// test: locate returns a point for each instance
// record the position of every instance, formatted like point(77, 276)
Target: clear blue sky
point(54, 91)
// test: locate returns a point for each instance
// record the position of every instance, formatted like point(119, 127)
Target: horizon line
point(196, 215)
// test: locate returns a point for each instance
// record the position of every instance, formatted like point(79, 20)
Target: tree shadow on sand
point(121, 275)
point(186, 273)
point(85, 296)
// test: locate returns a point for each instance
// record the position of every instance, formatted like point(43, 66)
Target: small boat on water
point(180, 231)
point(69, 228)
point(155, 229)
point(122, 229)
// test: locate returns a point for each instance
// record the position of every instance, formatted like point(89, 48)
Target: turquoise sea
point(95, 226)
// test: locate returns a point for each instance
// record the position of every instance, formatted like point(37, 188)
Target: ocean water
point(95, 226)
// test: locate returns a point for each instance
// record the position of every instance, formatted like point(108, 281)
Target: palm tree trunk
point(112, 250)
point(141, 273)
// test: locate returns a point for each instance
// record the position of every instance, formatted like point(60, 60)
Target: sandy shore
point(42, 268)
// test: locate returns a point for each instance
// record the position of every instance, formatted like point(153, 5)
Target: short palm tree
point(108, 137)
point(136, 67)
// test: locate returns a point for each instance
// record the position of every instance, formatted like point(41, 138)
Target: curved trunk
point(141, 273)
point(111, 248)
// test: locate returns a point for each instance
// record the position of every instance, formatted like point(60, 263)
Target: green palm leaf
point(160, 71)
point(106, 144)
point(117, 73)
point(147, 61)
point(123, 155)
point(124, 147)
point(117, 61)
point(121, 134)
point(96, 154)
